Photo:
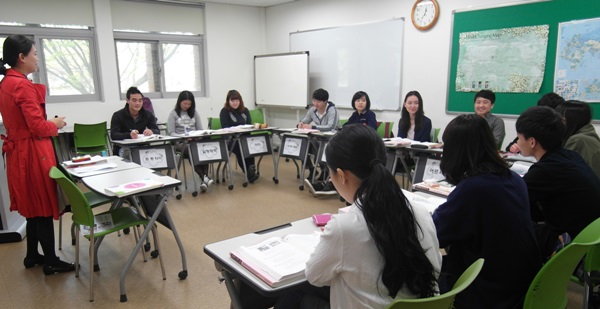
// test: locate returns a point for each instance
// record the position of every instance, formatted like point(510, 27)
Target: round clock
point(425, 14)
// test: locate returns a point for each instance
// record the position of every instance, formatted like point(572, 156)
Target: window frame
point(38, 33)
point(159, 39)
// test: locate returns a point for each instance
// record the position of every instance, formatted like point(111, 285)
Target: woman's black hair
point(359, 95)
point(576, 114)
point(388, 214)
point(14, 45)
point(186, 95)
point(404, 124)
point(470, 149)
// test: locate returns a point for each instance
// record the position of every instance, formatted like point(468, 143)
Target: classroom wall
point(426, 54)
point(234, 34)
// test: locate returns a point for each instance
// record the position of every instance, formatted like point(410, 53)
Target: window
point(67, 64)
point(160, 65)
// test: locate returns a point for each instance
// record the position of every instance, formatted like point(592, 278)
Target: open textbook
point(278, 260)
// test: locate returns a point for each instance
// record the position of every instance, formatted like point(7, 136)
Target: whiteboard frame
point(306, 92)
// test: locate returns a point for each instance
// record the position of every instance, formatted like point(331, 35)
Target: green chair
point(257, 116)
point(121, 218)
point(214, 123)
point(384, 129)
point(435, 135)
point(94, 199)
point(445, 300)
point(91, 138)
point(549, 287)
point(342, 122)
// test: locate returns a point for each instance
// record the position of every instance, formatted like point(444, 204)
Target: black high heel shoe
point(34, 261)
point(58, 267)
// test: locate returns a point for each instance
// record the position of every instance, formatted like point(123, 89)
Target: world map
point(502, 60)
point(577, 70)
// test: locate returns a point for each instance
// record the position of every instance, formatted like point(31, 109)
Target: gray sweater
point(176, 123)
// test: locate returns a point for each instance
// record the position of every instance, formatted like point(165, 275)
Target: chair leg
point(60, 232)
point(92, 257)
point(77, 252)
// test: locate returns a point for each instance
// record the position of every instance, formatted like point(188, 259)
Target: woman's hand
point(59, 121)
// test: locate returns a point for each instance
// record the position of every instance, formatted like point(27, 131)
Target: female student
point(413, 122)
point(362, 111)
point(184, 118)
point(382, 248)
point(580, 135)
point(29, 152)
point(234, 113)
point(485, 216)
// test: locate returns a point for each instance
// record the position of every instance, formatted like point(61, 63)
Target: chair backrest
point(384, 129)
point(434, 135)
point(445, 300)
point(92, 137)
point(257, 116)
point(214, 123)
point(343, 122)
point(82, 212)
point(549, 287)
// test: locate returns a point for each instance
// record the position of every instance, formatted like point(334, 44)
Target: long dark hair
point(404, 124)
point(387, 212)
point(186, 95)
point(13, 46)
point(470, 149)
point(233, 95)
point(576, 114)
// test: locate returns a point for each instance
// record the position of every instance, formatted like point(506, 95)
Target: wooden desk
point(157, 212)
point(232, 270)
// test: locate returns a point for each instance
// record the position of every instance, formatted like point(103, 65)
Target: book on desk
point(134, 187)
point(278, 260)
point(440, 187)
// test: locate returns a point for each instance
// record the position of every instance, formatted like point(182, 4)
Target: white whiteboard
point(281, 79)
point(344, 60)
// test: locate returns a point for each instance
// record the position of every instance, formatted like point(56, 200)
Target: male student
point(484, 103)
point(323, 115)
point(564, 192)
point(133, 119)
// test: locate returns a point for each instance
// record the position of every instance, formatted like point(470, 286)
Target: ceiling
point(258, 3)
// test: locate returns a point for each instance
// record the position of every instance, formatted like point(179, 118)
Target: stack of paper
point(90, 161)
point(425, 145)
point(101, 223)
point(397, 141)
point(436, 186)
point(278, 261)
point(134, 187)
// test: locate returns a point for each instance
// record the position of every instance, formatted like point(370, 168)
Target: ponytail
point(386, 210)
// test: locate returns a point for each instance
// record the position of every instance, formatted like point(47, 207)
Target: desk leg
point(236, 303)
point(401, 156)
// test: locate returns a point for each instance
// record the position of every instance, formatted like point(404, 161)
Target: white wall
point(426, 54)
point(234, 34)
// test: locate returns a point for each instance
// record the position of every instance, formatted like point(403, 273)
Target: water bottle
point(104, 154)
point(187, 130)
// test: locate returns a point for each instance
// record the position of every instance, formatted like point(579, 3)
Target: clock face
point(425, 14)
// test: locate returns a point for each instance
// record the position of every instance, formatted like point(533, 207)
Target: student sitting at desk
point(580, 134)
point(551, 100)
point(362, 115)
point(323, 114)
point(185, 118)
point(382, 248)
point(132, 120)
point(564, 192)
point(234, 113)
point(485, 216)
point(484, 103)
point(362, 111)
point(413, 123)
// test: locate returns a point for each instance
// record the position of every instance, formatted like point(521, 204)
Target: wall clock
point(425, 14)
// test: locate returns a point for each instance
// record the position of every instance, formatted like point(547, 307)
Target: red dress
point(27, 149)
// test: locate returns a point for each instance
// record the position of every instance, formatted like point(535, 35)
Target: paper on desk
point(142, 138)
point(92, 160)
point(83, 171)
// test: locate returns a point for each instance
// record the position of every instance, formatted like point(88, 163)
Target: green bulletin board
point(537, 13)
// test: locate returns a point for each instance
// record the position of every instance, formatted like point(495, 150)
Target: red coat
point(27, 149)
